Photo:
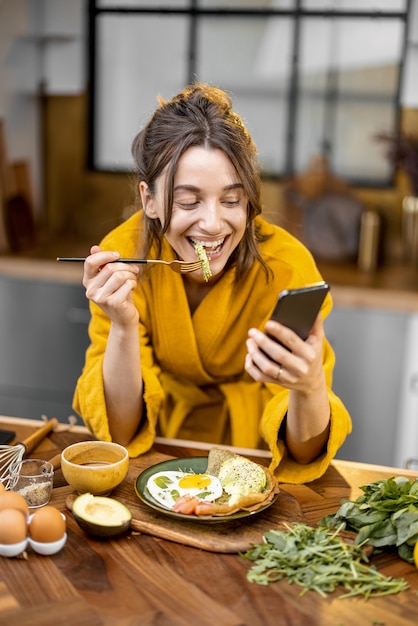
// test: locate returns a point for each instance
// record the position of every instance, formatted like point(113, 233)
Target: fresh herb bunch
point(317, 559)
point(386, 515)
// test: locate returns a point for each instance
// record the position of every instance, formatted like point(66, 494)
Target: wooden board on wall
point(4, 246)
point(84, 203)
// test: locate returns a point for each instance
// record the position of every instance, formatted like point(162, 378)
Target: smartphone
point(6, 436)
point(298, 308)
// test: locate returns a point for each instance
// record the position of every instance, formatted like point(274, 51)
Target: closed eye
point(188, 205)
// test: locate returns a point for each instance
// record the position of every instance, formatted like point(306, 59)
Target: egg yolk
point(195, 481)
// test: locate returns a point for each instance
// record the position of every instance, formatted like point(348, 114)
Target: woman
point(179, 356)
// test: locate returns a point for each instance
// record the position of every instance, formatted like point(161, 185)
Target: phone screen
point(298, 308)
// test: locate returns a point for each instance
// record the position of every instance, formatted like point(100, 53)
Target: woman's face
point(209, 207)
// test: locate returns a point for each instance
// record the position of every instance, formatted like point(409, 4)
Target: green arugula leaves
point(317, 559)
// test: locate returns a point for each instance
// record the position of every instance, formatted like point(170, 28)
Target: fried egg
point(166, 487)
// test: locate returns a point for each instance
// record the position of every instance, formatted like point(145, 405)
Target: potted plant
point(403, 153)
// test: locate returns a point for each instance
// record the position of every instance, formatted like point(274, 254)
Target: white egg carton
point(47, 549)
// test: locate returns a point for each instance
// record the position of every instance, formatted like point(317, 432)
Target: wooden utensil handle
point(56, 461)
point(32, 441)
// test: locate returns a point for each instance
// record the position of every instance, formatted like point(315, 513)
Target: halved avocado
point(100, 516)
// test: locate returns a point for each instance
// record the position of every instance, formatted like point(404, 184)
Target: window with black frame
point(308, 76)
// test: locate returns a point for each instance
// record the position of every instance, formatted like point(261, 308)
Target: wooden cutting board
point(227, 537)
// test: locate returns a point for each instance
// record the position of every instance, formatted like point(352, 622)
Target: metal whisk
point(9, 455)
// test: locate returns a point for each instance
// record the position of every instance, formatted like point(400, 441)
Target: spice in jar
point(37, 494)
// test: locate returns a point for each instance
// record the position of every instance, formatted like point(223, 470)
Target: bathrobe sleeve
point(89, 398)
point(273, 417)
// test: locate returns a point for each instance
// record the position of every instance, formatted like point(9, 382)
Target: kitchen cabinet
point(369, 376)
point(43, 338)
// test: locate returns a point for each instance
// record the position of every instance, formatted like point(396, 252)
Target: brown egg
point(2, 487)
point(47, 525)
point(13, 527)
point(13, 500)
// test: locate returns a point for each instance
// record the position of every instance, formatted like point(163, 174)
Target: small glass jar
point(33, 479)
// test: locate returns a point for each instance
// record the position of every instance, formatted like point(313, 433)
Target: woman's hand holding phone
point(289, 352)
point(282, 357)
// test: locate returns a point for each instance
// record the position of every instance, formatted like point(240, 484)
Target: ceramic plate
point(198, 465)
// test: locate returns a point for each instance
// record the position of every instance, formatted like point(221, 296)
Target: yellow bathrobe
point(195, 385)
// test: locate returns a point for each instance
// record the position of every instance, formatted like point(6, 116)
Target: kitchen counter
point(41, 269)
point(392, 288)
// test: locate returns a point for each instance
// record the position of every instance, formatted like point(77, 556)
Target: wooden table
point(143, 579)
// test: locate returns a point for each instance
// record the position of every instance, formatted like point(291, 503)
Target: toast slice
point(238, 498)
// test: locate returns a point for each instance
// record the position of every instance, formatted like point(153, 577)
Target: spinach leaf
point(380, 534)
point(385, 515)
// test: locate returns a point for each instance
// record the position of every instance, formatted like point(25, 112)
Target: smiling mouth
point(211, 247)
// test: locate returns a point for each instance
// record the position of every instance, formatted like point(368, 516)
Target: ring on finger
point(279, 373)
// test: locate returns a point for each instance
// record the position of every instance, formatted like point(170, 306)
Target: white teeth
point(208, 244)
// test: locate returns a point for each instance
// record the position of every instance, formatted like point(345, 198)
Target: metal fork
point(181, 267)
